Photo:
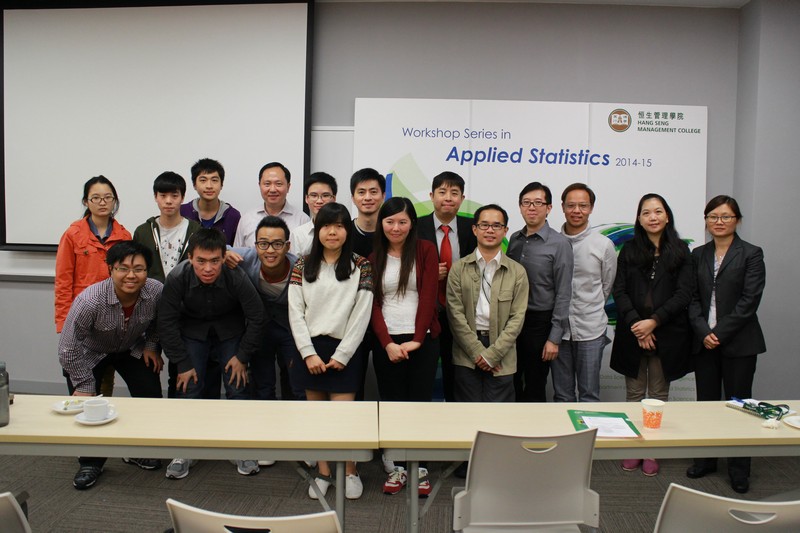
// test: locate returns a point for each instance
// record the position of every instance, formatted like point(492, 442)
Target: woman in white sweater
point(330, 301)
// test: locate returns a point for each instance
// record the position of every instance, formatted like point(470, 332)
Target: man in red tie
point(453, 236)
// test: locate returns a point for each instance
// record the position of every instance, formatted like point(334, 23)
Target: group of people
point(226, 297)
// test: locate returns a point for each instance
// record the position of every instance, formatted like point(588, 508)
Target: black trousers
point(719, 377)
point(142, 382)
point(530, 381)
point(446, 357)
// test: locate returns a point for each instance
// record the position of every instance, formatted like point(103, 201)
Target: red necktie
point(446, 257)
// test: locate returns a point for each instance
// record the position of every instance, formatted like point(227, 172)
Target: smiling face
point(396, 228)
point(169, 203)
point(653, 217)
point(207, 264)
point(318, 194)
point(271, 258)
point(368, 197)
point(274, 188)
point(100, 200)
point(720, 228)
point(534, 216)
point(129, 276)
point(490, 229)
point(577, 208)
point(447, 201)
point(208, 185)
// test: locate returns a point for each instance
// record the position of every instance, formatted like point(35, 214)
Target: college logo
point(619, 120)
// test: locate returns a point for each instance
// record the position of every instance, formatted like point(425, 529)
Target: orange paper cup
point(652, 411)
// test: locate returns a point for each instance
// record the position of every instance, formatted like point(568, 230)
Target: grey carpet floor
point(127, 499)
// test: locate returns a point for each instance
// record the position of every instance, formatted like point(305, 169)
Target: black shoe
point(461, 471)
point(86, 477)
point(144, 464)
point(740, 484)
point(696, 471)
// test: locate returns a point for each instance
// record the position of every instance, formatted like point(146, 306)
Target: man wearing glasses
point(320, 189)
point(547, 258)
point(487, 294)
point(581, 350)
point(209, 312)
point(111, 323)
point(269, 267)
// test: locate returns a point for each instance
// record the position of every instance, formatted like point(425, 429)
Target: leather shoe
point(86, 477)
point(697, 471)
point(740, 484)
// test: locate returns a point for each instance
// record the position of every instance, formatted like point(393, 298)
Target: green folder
point(577, 415)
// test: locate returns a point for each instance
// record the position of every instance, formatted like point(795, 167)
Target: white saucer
point(81, 419)
point(71, 409)
point(793, 421)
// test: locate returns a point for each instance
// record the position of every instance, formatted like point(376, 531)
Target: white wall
point(547, 52)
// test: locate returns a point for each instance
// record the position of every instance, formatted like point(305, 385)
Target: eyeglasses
point(535, 203)
point(724, 218)
point(582, 207)
point(483, 226)
point(314, 196)
point(100, 199)
point(125, 270)
point(276, 245)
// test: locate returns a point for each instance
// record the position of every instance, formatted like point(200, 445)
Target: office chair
point(188, 519)
point(528, 484)
point(12, 517)
point(687, 510)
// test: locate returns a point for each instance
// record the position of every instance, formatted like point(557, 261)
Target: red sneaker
point(396, 481)
point(650, 467)
point(424, 484)
point(629, 465)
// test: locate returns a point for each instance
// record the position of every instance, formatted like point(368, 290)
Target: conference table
point(201, 429)
point(445, 431)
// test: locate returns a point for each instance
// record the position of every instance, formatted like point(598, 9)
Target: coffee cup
point(652, 412)
point(96, 409)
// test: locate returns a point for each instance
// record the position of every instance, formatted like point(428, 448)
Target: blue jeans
point(277, 340)
point(578, 361)
point(220, 351)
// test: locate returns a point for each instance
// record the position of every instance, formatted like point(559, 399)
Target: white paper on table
point(609, 426)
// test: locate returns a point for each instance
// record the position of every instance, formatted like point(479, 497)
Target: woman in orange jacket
point(81, 257)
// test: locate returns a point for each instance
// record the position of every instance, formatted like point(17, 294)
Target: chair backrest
point(11, 516)
point(687, 510)
point(188, 519)
point(528, 481)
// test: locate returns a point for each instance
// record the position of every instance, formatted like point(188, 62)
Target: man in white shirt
point(487, 295)
point(581, 350)
point(274, 180)
point(319, 189)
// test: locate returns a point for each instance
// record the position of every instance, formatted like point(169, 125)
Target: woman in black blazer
point(652, 291)
point(730, 277)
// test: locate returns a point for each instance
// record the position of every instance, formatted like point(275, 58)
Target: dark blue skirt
point(337, 381)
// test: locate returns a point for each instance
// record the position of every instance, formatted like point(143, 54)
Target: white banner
point(622, 151)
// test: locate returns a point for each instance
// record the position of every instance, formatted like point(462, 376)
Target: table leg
point(340, 488)
point(413, 494)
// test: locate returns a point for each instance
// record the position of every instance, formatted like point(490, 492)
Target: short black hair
point(169, 182)
point(367, 174)
point(273, 222)
point(207, 239)
point(578, 187)
point(447, 178)
point(489, 207)
point(123, 249)
point(275, 164)
point(537, 186)
point(320, 177)
point(207, 166)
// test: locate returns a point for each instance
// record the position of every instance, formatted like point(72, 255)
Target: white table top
point(209, 429)
point(445, 431)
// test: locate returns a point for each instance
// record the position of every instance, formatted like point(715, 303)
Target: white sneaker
point(247, 467)
point(323, 485)
point(353, 488)
point(179, 468)
point(388, 466)
point(266, 463)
